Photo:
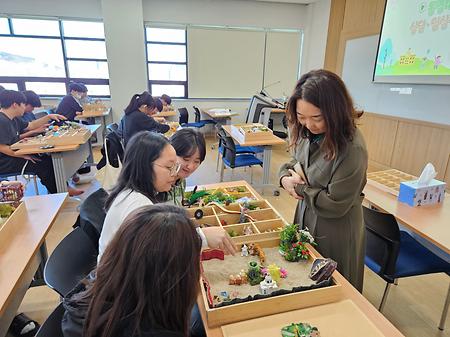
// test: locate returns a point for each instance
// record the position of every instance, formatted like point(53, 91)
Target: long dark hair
point(140, 99)
point(186, 141)
point(137, 172)
point(148, 277)
point(326, 91)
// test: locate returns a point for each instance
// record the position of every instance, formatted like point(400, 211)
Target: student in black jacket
point(138, 117)
point(146, 282)
point(33, 101)
point(70, 105)
point(13, 106)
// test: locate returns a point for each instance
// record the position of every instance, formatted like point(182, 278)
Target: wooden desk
point(430, 222)
point(218, 115)
point(67, 159)
point(267, 145)
point(99, 118)
point(169, 113)
point(348, 291)
point(20, 254)
point(278, 111)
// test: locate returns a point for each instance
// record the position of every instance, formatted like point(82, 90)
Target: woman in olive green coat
point(328, 172)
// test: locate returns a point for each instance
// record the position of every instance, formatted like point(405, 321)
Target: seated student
point(33, 101)
point(149, 170)
point(70, 105)
point(84, 98)
point(137, 117)
point(12, 106)
point(190, 147)
point(166, 101)
point(146, 283)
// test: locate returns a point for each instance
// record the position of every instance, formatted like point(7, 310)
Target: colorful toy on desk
point(256, 250)
point(254, 273)
point(244, 250)
point(300, 330)
point(238, 279)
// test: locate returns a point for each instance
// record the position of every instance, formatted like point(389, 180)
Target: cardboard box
point(414, 195)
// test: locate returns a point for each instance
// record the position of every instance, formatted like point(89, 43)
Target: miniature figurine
point(267, 285)
point(254, 273)
point(274, 272)
point(223, 222)
point(201, 202)
point(248, 230)
point(244, 250)
point(243, 216)
point(283, 273)
point(209, 254)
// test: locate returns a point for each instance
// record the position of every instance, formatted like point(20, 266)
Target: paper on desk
point(427, 175)
point(220, 111)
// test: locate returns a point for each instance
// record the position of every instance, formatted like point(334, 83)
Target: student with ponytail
point(137, 117)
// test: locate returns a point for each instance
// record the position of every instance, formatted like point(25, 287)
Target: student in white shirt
point(149, 170)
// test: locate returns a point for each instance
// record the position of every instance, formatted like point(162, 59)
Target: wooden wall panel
point(363, 16)
point(379, 134)
point(447, 174)
point(335, 23)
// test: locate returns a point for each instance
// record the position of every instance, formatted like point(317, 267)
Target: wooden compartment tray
point(389, 180)
point(64, 137)
point(268, 222)
point(339, 319)
point(237, 192)
point(13, 220)
point(245, 133)
point(230, 313)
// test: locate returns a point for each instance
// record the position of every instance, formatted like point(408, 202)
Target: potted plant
point(293, 243)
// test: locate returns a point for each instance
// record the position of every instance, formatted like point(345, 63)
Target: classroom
point(224, 168)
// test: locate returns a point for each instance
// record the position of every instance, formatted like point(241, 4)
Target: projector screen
point(414, 45)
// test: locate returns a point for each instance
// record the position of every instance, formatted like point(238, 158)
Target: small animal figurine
point(244, 250)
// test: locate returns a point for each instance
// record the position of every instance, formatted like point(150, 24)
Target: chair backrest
point(197, 114)
point(184, 115)
point(52, 325)
point(113, 127)
point(229, 150)
point(382, 239)
point(92, 215)
point(41, 113)
point(73, 259)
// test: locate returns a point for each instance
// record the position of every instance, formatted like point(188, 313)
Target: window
point(9, 86)
point(46, 55)
point(167, 61)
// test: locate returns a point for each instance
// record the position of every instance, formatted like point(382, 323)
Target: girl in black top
point(137, 117)
point(145, 285)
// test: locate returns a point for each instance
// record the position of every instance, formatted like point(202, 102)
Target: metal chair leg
point(396, 282)
point(251, 175)
point(385, 295)
point(221, 171)
point(36, 189)
point(218, 158)
point(445, 311)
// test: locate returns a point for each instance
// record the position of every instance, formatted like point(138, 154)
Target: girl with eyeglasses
point(149, 170)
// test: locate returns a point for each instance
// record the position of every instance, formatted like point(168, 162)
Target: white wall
point(313, 19)
point(62, 8)
point(125, 51)
point(226, 12)
point(316, 33)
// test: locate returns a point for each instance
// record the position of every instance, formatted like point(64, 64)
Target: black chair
point(393, 254)
point(73, 259)
point(113, 127)
point(92, 215)
point(184, 120)
point(199, 120)
point(52, 325)
point(232, 159)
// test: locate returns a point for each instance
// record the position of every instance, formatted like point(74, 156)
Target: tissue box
point(414, 195)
